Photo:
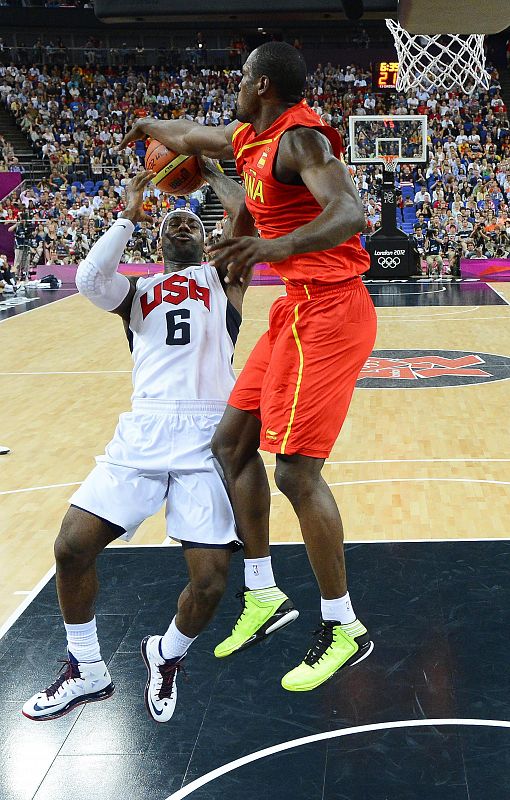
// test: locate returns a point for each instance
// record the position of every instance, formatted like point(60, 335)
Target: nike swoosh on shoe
point(37, 707)
point(153, 707)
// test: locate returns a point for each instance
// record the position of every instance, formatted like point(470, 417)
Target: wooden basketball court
point(430, 462)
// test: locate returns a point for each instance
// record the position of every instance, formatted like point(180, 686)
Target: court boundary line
point(77, 372)
point(290, 744)
point(40, 488)
point(407, 294)
point(454, 460)
point(412, 480)
point(37, 308)
point(498, 293)
point(410, 541)
point(16, 614)
point(32, 594)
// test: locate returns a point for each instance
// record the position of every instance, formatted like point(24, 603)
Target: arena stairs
point(34, 168)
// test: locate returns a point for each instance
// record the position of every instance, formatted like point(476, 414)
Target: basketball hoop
point(446, 61)
point(390, 163)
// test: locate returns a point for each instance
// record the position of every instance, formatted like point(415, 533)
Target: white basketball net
point(446, 61)
point(390, 163)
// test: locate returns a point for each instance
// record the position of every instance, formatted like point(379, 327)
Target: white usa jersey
point(182, 332)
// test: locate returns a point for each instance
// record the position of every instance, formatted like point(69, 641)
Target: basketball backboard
point(373, 137)
point(469, 16)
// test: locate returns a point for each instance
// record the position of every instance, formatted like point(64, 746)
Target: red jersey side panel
point(279, 209)
point(300, 377)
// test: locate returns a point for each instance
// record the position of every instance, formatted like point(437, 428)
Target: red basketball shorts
point(300, 376)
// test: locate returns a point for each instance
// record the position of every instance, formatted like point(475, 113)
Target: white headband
point(181, 211)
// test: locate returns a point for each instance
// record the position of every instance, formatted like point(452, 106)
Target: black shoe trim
point(175, 668)
point(103, 694)
point(259, 636)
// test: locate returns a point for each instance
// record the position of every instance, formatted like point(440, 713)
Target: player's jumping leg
point(265, 609)
point(164, 655)
point(341, 640)
point(84, 676)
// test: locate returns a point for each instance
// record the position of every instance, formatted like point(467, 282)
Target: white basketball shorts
point(161, 453)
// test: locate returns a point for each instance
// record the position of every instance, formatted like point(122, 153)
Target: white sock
point(339, 609)
point(175, 644)
point(82, 641)
point(258, 573)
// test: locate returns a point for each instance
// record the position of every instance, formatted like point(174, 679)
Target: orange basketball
point(176, 174)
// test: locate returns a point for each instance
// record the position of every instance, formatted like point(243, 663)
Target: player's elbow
point(82, 279)
point(356, 217)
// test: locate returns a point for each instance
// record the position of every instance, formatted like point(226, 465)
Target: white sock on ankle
point(175, 644)
point(339, 609)
point(82, 641)
point(258, 573)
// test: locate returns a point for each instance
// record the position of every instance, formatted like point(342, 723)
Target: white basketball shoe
point(77, 683)
point(161, 686)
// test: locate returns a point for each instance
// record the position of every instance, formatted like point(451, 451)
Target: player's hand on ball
point(238, 256)
point(134, 196)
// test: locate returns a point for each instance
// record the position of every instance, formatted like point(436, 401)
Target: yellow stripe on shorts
point(300, 375)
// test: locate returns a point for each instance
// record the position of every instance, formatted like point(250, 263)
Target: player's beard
point(181, 252)
point(240, 115)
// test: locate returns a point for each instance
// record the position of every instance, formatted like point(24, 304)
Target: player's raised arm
point(97, 277)
point(184, 136)
point(239, 221)
point(306, 153)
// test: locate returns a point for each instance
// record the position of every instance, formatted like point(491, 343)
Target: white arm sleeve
point(97, 277)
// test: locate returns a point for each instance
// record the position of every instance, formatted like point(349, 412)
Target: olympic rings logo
point(388, 262)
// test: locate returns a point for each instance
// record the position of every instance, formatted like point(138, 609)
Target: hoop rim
point(389, 162)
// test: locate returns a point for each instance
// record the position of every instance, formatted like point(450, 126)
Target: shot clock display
point(385, 76)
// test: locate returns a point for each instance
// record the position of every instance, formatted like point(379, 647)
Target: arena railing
point(124, 56)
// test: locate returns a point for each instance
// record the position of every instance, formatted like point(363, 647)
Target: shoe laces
point(68, 671)
point(240, 596)
point(168, 672)
point(321, 644)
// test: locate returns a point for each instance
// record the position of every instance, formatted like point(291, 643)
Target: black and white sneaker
point(161, 687)
point(76, 683)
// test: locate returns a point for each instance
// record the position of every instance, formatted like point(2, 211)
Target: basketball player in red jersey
point(293, 395)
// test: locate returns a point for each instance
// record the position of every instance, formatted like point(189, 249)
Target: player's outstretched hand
point(133, 134)
point(238, 256)
point(134, 197)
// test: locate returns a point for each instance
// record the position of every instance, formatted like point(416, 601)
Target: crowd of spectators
point(461, 197)
point(74, 118)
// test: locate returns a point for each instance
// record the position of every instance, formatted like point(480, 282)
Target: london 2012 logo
point(409, 369)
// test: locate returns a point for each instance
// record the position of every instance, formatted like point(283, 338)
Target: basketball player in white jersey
point(182, 326)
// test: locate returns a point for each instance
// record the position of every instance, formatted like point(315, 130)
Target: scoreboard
point(384, 76)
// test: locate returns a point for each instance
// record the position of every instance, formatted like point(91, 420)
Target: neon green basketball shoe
point(335, 646)
point(264, 611)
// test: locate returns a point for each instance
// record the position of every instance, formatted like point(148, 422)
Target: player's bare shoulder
point(299, 146)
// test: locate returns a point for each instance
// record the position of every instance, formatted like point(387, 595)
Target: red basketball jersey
point(280, 208)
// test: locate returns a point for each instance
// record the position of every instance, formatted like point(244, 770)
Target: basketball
point(176, 174)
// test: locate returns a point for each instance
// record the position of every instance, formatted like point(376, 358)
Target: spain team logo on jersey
point(416, 369)
point(262, 160)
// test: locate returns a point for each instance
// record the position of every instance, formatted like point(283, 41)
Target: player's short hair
point(284, 66)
